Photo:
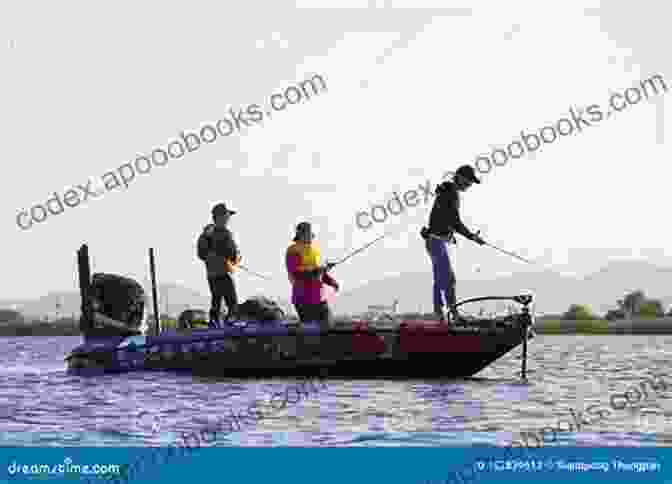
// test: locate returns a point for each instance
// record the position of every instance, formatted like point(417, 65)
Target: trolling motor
point(525, 320)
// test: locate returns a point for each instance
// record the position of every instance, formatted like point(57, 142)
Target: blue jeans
point(444, 276)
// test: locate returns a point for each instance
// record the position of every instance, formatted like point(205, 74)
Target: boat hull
point(418, 349)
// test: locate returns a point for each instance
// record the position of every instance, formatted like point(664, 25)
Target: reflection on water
point(41, 405)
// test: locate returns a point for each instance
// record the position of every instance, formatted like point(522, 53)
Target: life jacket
point(309, 257)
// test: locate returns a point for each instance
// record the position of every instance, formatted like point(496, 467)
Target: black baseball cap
point(221, 209)
point(303, 228)
point(467, 171)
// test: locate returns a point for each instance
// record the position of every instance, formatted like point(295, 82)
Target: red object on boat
point(364, 340)
point(434, 337)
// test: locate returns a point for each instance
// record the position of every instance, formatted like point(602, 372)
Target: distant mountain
point(173, 299)
point(553, 292)
point(11, 303)
point(618, 278)
point(64, 303)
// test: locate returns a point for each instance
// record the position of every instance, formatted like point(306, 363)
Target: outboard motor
point(112, 310)
point(117, 307)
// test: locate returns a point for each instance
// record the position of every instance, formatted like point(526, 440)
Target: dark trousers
point(314, 312)
point(222, 287)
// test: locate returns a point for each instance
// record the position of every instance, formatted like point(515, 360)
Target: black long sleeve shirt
point(218, 240)
point(444, 219)
point(215, 246)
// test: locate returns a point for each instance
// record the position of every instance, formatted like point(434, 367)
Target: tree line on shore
point(634, 305)
point(14, 323)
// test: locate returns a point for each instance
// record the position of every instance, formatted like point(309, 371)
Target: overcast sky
point(411, 93)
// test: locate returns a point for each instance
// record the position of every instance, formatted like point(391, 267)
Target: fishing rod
point(361, 249)
point(512, 254)
point(509, 253)
point(330, 265)
point(527, 261)
point(254, 273)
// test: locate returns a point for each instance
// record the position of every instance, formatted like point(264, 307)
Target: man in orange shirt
point(308, 277)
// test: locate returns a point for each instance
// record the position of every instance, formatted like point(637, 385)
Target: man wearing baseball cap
point(444, 222)
point(217, 248)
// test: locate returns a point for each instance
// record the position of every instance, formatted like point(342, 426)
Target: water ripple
point(41, 405)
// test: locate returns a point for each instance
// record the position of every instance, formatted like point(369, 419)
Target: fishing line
point(523, 259)
point(361, 249)
point(267, 278)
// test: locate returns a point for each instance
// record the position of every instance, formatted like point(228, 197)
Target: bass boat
point(113, 310)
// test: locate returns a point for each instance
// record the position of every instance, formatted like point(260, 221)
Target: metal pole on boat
point(84, 267)
point(525, 326)
point(524, 353)
point(152, 270)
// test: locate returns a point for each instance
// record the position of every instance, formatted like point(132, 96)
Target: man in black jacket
point(444, 222)
point(219, 251)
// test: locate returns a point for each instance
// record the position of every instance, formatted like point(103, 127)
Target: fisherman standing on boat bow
point(308, 278)
point(219, 251)
point(444, 221)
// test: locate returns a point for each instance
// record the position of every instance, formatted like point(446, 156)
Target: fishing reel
point(329, 266)
point(527, 317)
point(524, 299)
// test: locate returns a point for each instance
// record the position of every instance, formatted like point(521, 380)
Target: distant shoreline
point(42, 329)
point(642, 326)
point(549, 327)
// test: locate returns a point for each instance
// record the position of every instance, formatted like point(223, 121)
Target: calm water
point(41, 405)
